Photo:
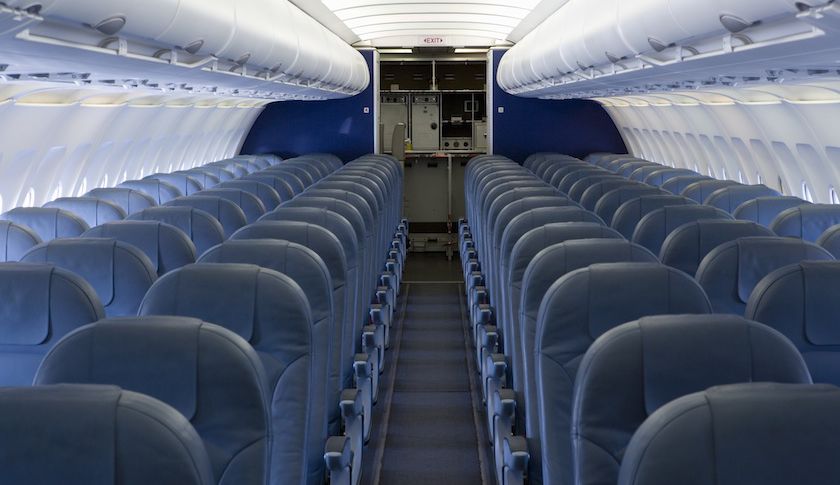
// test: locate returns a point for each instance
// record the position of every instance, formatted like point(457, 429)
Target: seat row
point(262, 355)
point(551, 286)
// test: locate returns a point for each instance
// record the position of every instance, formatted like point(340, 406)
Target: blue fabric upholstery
point(41, 303)
point(218, 173)
point(577, 190)
point(269, 311)
point(593, 194)
point(699, 191)
point(252, 207)
point(288, 176)
point(90, 209)
point(119, 272)
point(166, 246)
point(677, 184)
point(206, 179)
point(764, 209)
point(626, 167)
point(559, 174)
point(186, 183)
point(801, 301)
point(636, 368)
point(204, 230)
point(741, 434)
point(129, 200)
point(266, 193)
point(659, 177)
point(642, 173)
point(806, 221)
point(229, 215)
point(730, 272)
point(47, 223)
point(573, 177)
point(208, 374)
point(609, 203)
point(830, 240)
point(628, 215)
point(160, 192)
point(576, 310)
point(16, 240)
point(97, 435)
point(729, 198)
point(653, 228)
point(283, 189)
point(237, 168)
point(686, 246)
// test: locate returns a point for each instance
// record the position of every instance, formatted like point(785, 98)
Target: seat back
point(626, 167)
point(269, 311)
point(612, 200)
point(252, 207)
point(229, 215)
point(220, 174)
point(830, 240)
point(166, 246)
point(636, 368)
point(653, 228)
point(800, 301)
point(186, 183)
point(642, 173)
point(283, 189)
point(289, 176)
point(593, 194)
point(628, 215)
point(129, 200)
point(118, 437)
point(729, 198)
point(806, 221)
point(764, 209)
point(699, 191)
point(659, 177)
point(577, 190)
point(204, 230)
point(677, 184)
point(237, 168)
point(119, 272)
point(160, 192)
point(47, 223)
point(207, 373)
point(204, 177)
point(731, 271)
point(576, 310)
point(16, 240)
point(90, 209)
point(559, 174)
point(686, 246)
point(41, 303)
point(745, 434)
point(266, 193)
point(574, 176)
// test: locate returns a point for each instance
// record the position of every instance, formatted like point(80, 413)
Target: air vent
point(734, 24)
point(614, 58)
point(111, 26)
point(34, 9)
point(244, 59)
point(657, 44)
point(194, 47)
point(803, 7)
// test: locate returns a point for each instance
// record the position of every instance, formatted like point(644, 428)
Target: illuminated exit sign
point(432, 40)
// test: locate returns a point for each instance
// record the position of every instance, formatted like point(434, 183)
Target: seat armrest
point(516, 459)
point(339, 458)
point(363, 374)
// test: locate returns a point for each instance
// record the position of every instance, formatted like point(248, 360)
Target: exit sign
point(432, 40)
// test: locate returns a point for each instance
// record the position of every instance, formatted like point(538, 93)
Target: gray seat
point(47, 223)
point(229, 215)
point(16, 240)
point(289, 176)
point(577, 190)
point(41, 303)
point(160, 192)
point(830, 240)
point(654, 228)
point(561, 172)
point(609, 203)
point(268, 310)
point(677, 184)
point(746, 434)
point(642, 173)
point(97, 435)
point(589, 199)
point(252, 207)
point(220, 174)
point(636, 368)
point(628, 215)
point(800, 301)
point(205, 372)
point(806, 221)
point(90, 209)
point(166, 246)
point(612, 294)
point(207, 179)
point(573, 177)
point(119, 272)
point(626, 167)
point(284, 190)
point(237, 168)
point(686, 246)
point(699, 191)
point(764, 209)
point(730, 272)
point(129, 200)
point(266, 193)
point(659, 177)
point(204, 230)
point(187, 184)
point(729, 198)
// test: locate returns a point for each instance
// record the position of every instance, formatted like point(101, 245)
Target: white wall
point(60, 140)
point(784, 136)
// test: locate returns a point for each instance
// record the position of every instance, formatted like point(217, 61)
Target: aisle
point(428, 418)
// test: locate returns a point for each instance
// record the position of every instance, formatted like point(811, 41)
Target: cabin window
point(740, 177)
point(104, 182)
point(806, 192)
point(759, 179)
point(723, 173)
point(83, 187)
point(711, 172)
point(29, 200)
point(58, 192)
point(832, 196)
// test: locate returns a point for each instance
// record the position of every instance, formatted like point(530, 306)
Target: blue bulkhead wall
point(338, 126)
point(527, 125)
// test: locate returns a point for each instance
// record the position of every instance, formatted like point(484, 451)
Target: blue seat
point(218, 173)
point(229, 215)
point(561, 172)
point(370, 201)
point(259, 161)
point(687, 245)
point(204, 230)
point(830, 240)
point(574, 176)
point(270, 311)
point(699, 191)
point(297, 176)
point(305, 171)
point(490, 203)
point(806, 221)
point(654, 228)
point(609, 203)
point(239, 168)
point(205, 372)
point(41, 303)
point(636, 368)
point(643, 172)
point(729, 198)
point(579, 188)
point(81, 434)
point(547, 173)
point(289, 176)
point(589, 199)
point(119, 272)
point(90, 209)
point(252, 207)
point(731, 271)
point(764, 209)
point(160, 192)
point(16, 240)
point(801, 302)
point(626, 167)
point(659, 177)
point(746, 434)
point(47, 223)
point(206, 179)
point(677, 184)
point(187, 184)
point(129, 200)
point(266, 193)
point(576, 310)
point(166, 246)
point(628, 215)
point(604, 159)
point(283, 189)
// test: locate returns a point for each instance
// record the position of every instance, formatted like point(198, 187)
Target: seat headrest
point(612, 200)
point(628, 215)
point(226, 212)
point(593, 194)
point(764, 209)
point(16, 240)
point(806, 221)
point(579, 188)
point(188, 184)
point(266, 193)
point(92, 210)
point(677, 184)
point(201, 227)
point(26, 299)
point(144, 235)
point(48, 223)
point(206, 178)
point(686, 246)
point(325, 218)
point(92, 259)
point(161, 192)
point(129, 200)
point(663, 175)
point(730, 197)
point(699, 191)
point(654, 227)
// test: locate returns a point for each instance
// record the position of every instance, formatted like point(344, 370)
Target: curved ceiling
point(432, 22)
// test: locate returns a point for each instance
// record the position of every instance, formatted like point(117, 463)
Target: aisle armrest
point(516, 459)
point(339, 458)
point(363, 374)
